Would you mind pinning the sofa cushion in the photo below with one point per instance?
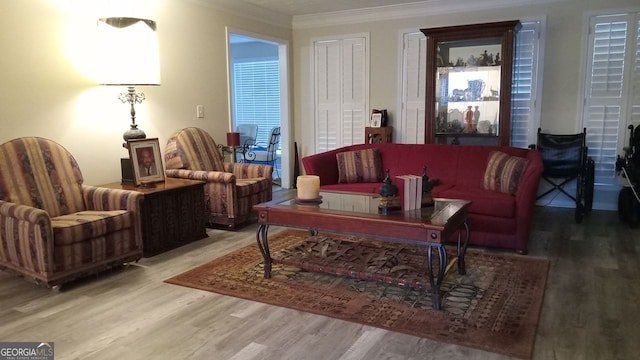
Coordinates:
(360, 166)
(503, 172)
(484, 202)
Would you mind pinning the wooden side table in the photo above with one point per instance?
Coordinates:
(377, 135)
(173, 214)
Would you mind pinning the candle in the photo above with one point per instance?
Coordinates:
(308, 187)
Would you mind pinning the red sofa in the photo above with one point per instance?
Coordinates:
(496, 219)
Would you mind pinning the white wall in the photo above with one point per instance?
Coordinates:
(47, 85)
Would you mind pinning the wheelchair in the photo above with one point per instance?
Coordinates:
(628, 166)
(565, 159)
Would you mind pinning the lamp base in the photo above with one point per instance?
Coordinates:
(127, 171)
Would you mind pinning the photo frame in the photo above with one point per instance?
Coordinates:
(146, 161)
(376, 120)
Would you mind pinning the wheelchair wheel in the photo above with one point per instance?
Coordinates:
(580, 208)
(589, 183)
(628, 207)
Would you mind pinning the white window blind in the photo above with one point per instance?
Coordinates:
(612, 91)
(525, 115)
(256, 86)
(341, 80)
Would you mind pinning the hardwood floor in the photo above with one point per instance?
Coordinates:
(591, 308)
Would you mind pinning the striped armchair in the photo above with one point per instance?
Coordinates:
(52, 227)
(231, 189)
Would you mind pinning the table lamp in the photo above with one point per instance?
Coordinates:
(233, 141)
(129, 56)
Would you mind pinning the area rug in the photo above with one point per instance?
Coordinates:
(495, 306)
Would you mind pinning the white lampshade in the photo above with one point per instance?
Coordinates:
(128, 52)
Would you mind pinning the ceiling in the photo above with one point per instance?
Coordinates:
(306, 7)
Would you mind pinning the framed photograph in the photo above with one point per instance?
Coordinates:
(146, 161)
(376, 120)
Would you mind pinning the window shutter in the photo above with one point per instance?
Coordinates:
(525, 115)
(605, 97)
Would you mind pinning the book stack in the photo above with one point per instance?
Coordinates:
(410, 191)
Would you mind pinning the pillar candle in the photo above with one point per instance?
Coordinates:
(308, 187)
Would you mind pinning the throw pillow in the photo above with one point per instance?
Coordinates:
(503, 172)
(359, 166)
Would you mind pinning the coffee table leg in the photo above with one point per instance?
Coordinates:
(263, 244)
(462, 249)
(436, 281)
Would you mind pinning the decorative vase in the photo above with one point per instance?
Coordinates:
(468, 118)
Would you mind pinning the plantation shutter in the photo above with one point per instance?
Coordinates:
(525, 114)
(612, 89)
(256, 86)
(414, 81)
(340, 78)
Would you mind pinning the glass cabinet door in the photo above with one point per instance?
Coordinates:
(469, 84)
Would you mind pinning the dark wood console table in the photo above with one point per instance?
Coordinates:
(173, 214)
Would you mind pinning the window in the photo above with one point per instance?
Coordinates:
(341, 74)
(525, 113)
(256, 87)
(612, 90)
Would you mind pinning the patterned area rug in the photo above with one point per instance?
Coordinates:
(494, 307)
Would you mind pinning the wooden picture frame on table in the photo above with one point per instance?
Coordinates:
(376, 120)
(146, 161)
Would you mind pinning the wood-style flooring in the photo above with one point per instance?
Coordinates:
(591, 308)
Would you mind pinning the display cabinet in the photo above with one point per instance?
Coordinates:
(468, 85)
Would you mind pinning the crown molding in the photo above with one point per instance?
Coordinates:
(402, 11)
(249, 11)
(372, 14)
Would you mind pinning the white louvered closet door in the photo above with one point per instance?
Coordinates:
(413, 87)
(341, 92)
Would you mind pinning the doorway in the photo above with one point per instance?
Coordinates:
(258, 93)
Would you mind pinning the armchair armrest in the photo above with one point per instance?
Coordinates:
(28, 235)
(249, 171)
(99, 198)
(206, 176)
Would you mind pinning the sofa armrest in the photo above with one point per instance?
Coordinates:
(27, 233)
(249, 171)
(526, 198)
(324, 165)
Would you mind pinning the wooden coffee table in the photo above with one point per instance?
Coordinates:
(357, 214)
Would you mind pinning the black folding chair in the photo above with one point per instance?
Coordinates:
(565, 159)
